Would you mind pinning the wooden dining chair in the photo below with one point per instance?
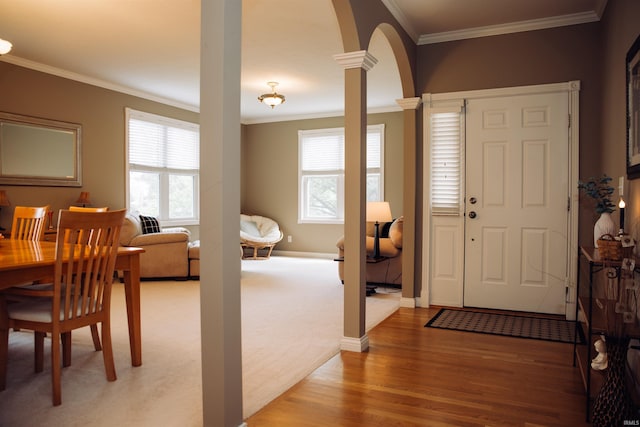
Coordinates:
(94, 328)
(85, 209)
(86, 251)
(28, 222)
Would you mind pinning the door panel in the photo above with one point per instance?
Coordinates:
(517, 169)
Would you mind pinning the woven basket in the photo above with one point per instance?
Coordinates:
(611, 249)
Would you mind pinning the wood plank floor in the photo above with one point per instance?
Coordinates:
(417, 376)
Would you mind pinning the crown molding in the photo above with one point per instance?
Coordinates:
(514, 27)
(37, 66)
(311, 116)
(397, 13)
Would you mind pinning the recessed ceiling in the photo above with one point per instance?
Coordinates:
(151, 48)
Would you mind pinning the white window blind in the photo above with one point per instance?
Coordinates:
(446, 161)
(161, 146)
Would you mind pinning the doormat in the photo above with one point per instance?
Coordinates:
(511, 325)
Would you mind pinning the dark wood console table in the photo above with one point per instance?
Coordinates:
(590, 316)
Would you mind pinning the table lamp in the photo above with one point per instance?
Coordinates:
(83, 199)
(4, 201)
(378, 212)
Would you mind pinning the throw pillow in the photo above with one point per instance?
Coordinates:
(149, 224)
(384, 229)
(395, 232)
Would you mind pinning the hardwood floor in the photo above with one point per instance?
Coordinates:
(417, 376)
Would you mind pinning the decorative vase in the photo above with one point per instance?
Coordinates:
(613, 404)
(604, 225)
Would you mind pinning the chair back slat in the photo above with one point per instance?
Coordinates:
(88, 243)
(28, 222)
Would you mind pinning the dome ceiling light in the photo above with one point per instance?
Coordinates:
(5, 47)
(272, 99)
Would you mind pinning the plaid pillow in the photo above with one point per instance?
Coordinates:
(149, 224)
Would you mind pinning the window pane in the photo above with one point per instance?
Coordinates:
(181, 196)
(144, 193)
(321, 196)
(373, 188)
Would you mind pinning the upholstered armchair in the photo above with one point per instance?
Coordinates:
(389, 270)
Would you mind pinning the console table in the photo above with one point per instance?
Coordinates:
(590, 315)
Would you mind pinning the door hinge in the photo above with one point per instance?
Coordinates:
(569, 121)
(569, 204)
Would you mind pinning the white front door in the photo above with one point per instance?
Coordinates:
(516, 223)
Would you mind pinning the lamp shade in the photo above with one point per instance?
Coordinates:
(378, 212)
(4, 199)
(84, 198)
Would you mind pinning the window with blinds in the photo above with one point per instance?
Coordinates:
(321, 172)
(163, 159)
(446, 162)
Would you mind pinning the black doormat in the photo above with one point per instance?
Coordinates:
(511, 325)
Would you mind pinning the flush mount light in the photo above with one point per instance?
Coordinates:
(272, 99)
(5, 46)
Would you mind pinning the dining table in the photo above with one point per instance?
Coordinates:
(23, 261)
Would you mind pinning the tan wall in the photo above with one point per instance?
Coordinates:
(101, 114)
(270, 177)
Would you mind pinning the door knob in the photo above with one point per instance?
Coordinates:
(472, 214)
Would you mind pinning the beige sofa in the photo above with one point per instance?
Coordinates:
(388, 271)
(165, 253)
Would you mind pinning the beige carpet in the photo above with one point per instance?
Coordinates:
(292, 323)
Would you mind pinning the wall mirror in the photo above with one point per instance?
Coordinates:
(35, 151)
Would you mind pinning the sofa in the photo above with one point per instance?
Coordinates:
(165, 252)
(389, 270)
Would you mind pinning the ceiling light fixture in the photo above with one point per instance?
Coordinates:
(5, 47)
(272, 99)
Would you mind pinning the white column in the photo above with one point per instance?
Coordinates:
(219, 212)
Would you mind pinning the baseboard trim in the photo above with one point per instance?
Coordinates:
(304, 254)
(408, 302)
(357, 345)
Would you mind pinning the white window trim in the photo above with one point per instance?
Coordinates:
(142, 115)
(381, 130)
